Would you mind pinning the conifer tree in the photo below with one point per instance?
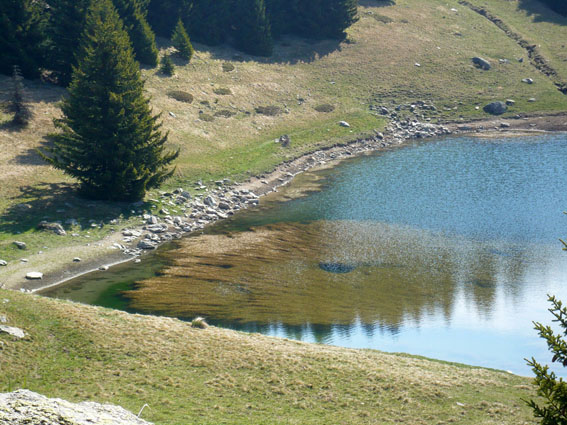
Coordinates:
(18, 106)
(164, 14)
(181, 42)
(209, 21)
(66, 25)
(109, 140)
(141, 35)
(252, 28)
(167, 67)
(552, 391)
(22, 36)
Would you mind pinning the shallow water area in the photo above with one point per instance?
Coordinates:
(445, 249)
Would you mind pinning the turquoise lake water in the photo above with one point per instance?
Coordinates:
(444, 249)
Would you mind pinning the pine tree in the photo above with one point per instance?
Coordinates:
(552, 391)
(252, 33)
(164, 14)
(167, 67)
(181, 42)
(209, 21)
(109, 140)
(22, 36)
(322, 18)
(141, 35)
(66, 25)
(18, 106)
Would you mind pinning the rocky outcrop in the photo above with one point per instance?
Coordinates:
(25, 407)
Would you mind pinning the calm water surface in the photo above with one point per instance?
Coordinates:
(445, 249)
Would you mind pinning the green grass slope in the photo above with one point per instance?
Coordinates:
(216, 376)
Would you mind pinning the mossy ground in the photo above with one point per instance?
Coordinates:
(216, 376)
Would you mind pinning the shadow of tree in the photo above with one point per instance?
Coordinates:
(541, 12)
(31, 156)
(59, 202)
(35, 91)
(376, 3)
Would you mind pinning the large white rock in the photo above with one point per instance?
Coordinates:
(34, 275)
(24, 407)
(17, 332)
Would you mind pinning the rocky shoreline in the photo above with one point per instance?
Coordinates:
(227, 198)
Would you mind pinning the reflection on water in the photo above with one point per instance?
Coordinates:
(445, 249)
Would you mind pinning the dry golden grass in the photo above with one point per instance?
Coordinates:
(189, 375)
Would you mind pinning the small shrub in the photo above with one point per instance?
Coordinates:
(326, 107)
(222, 91)
(181, 96)
(181, 42)
(224, 113)
(18, 106)
(227, 67)
(382, 18)
(167, 67)
(206, 117)
(270, 110)
(199, 323)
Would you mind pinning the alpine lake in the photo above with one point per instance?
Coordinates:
(445, 249)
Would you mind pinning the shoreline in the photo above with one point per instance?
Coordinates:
(397, 134)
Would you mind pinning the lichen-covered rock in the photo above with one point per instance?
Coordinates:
(29, 408)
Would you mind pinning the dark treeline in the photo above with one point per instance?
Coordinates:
(46, 34)
(560, 6)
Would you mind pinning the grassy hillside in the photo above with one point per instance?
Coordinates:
(216, 376)
(397, 52)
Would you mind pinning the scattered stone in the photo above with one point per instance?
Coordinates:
(21, 245)
(147, 244)
(284, 140)
(504, 125)
(26, 407)
(103, 268)
(199, 323)
(3, 263)
(344, 124)
(532, 99)
(3, 319)
(504, 61)
(171, 114)
(417, 64)
(54, 227)
(210, 201)
(24, 260)
(76, 260)
(481, 63)
(152, 220)
(34, 275)
(496, 108)
(17, 332)
(528, 80)
(510, 102)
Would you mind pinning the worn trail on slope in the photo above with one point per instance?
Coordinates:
(536, 58)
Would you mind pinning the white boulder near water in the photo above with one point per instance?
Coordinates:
(24, 407)
(34, 275)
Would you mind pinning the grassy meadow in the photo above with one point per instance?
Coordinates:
(217, 376)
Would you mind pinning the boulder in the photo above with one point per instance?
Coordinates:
(26, 407)
(210, 201)
(53, 227)
(20, 245)
(528, 80)
(344, 124)
(17, 332)
(147, 244)
(34, 275)
(285, 140)
(3, 263)
(496, 108)
(481, 63)
(510, 102)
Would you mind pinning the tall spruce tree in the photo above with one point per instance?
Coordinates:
(18, 106)
(252, 29)
(141, 35)
(322, 18)
(181, 42)
(22, 36)
(209, 21)
(66, 25)
(164, 14)
(109, 140)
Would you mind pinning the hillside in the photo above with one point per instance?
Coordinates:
(213, 376)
